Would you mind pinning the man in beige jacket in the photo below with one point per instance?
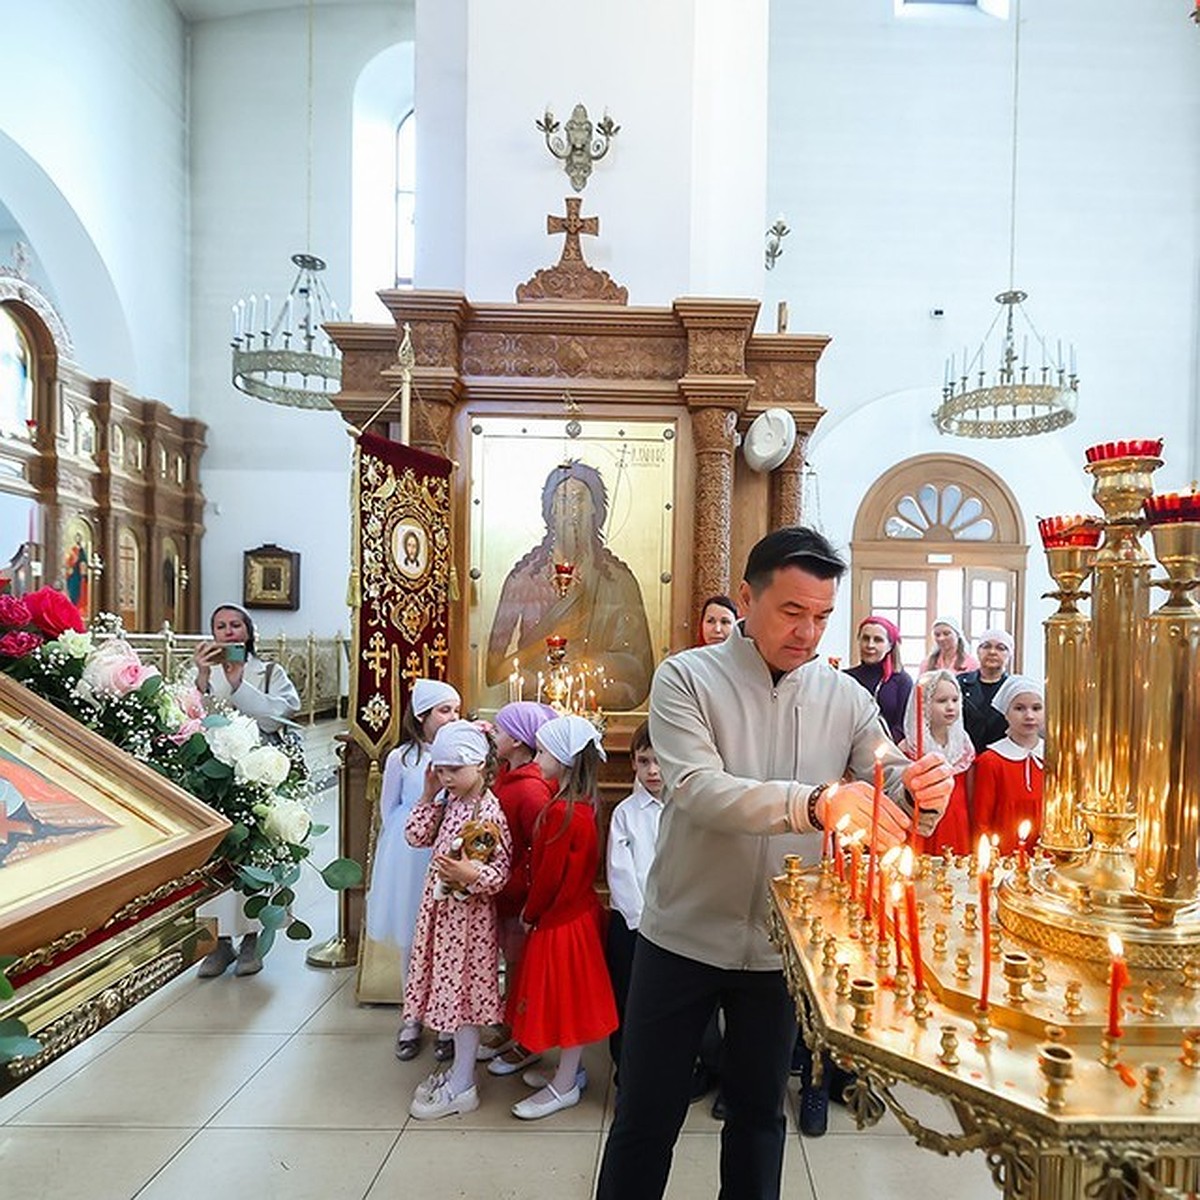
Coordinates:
(749, 734)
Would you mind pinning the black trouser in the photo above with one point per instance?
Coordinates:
(618, 951)
(671, 999)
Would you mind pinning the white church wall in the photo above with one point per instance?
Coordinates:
(890, 159)
(93, 169)
(279, 474)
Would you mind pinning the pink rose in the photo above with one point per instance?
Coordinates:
(17, 643)
(53, 612)
(14, 612)
(114, 668)
(185, 731)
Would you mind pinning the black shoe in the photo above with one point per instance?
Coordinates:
(814, 1111)
(801, 1057)
(443, 1049)
(702, 1083)
(839, 1081)
(719, 1110)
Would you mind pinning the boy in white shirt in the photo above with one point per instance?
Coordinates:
(632, 835)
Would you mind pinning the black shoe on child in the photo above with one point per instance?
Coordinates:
(443, 1049)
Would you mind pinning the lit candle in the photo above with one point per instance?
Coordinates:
(541, 681)
(985, 917)
(855, 864)
(251, 308)
(914, 929)
(1023, 831)
(266, 312)
(1118, 978)
(287, 315)
(876, 801)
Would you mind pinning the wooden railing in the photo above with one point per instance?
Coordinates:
(319, 667)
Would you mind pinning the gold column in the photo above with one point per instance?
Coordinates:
(1070, 681)
(1168, 815)
(1120, 604)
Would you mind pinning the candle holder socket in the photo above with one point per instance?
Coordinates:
(862, 997)
(1039, 977)
(962, 965)
(948, 1056)
(946, 893)
(902, 982)
(1152, 999)
(1072, 998)
(997, 942)
(841, 978)
(816, 932)
(1191, 974)
(883, 953)
(1154, 1085)
(970, 917)
(1016, 975)
(1054, 1033)
(829, 954)
(1057, 1066)
(983, 1025)
(1110, 1050)
(920, 1005)
(854, 918)
(940, 939)
(1191, 1049)
(922, 914)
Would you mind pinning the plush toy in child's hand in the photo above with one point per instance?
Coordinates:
(477, 841)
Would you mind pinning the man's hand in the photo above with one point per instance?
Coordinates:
(856, 801)
(930, 782)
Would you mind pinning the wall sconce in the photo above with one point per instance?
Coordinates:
(580, 144)
(775, 236)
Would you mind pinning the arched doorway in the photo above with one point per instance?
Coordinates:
(939, 535)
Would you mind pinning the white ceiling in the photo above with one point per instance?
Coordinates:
(213, 10)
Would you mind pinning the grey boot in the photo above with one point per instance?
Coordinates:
(218, 960)
(248, 961)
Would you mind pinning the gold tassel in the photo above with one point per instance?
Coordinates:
(374, 784)
(353, 590)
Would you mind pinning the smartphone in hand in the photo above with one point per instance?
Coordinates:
(233, 652)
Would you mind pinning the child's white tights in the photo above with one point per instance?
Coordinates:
(568, 1067)
(466, 1046)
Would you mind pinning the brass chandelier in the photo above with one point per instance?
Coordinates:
(997, 392)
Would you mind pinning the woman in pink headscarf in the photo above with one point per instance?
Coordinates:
(880, 672)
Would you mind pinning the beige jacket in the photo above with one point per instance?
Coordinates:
(731, 745)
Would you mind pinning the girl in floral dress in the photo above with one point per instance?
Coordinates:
(453, 981)
(563, 995)
(946, 734)
(397, 869)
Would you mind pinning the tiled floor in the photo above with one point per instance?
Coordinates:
(280, 1085)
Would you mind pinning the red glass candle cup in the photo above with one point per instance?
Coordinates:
(1133, 448)
(1074, 530)
(1171, 507)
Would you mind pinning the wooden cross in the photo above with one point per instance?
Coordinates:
(573, 225)
(376, 657)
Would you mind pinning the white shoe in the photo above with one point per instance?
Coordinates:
(431, 1083)
(442, 1102)
(508, 1064)
(532, 1109)
(539, 1079)
(486, 1053)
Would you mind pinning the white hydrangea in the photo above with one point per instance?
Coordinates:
(74, 644)
(286, 821)
(233, 741)
(263, 765)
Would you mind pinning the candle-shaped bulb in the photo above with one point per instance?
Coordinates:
(1115, 946)
(1024, 830)
(984, 853)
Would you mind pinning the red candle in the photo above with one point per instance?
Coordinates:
(1023, 831)
(1117, 979)
(838, 863)
(881, 928)
(920, 720)
(896, 926)
(876, 801)
(914, 929)
(855, 866)
(985, 918)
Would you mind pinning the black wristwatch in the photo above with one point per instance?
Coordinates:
(813, 797)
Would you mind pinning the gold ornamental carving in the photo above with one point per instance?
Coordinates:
(140, 903)
(44, 955)
(600, 356)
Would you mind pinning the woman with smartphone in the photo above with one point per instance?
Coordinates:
(228, 669)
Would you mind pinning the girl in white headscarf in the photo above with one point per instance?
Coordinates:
(945, 733)
(453, 979)
(398, 870)
(1010, 772)
(563, 996)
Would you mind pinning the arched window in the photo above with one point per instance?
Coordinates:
(16, 376)
(939, 535)
(406, 199)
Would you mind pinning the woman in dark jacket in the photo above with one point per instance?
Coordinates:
(879, 670)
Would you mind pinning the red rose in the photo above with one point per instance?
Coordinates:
(17, 643)
(13, 612)
(53, 612)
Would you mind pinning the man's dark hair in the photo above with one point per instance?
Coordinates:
(793, 546)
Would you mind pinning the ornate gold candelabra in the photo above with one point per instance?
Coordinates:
(1070, 1061)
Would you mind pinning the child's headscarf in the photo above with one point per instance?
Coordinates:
(522, 719)
(459, 744)
(429, 693)
(565, 737)
(959, 751)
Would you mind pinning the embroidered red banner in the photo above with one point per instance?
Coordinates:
(400, 585)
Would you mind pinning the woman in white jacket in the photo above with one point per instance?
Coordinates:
(229, 669)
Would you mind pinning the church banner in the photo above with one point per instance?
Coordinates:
(400, 583)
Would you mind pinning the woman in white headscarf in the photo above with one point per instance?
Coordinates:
(951, 652)
(398, 870)
(1010, 772)
(984, 724)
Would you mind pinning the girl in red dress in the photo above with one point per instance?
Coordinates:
(946, 734)
(523, 793)
(563, 996)
(1009, 773)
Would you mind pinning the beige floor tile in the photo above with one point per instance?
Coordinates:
(279, 999)
(341, 1013)
(49, 1077)
(328, 1081)
(83, 1164)
(282, 1164)
(155, 1080)
(483, 1165)
(865, 1167)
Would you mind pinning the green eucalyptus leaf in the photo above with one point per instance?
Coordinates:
(284, 896)
(150, 687)
(315, 830)
(214, 768)
(18, 1046)
(6, 988)
(254, 906)
(259, 875)
(342, 873)
(272, 916)
(299, 932)
(237, 834)
(266, 939)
